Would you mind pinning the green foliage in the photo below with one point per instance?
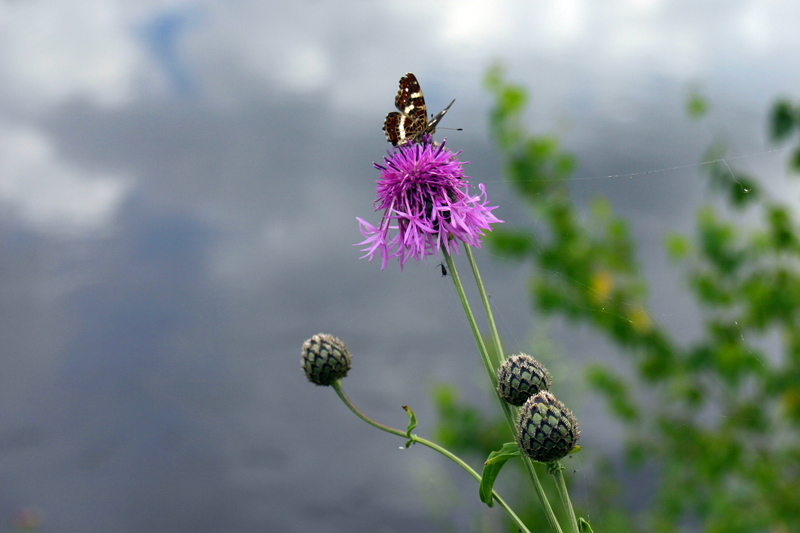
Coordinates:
(412, 423)
(784, 120)
(697, 104)
(615, 390)
(739, 187)
(583, 526)
(677, 246)
(463, 427)
(722, 422)
(491, 468)
(795, 160)
(516, 244)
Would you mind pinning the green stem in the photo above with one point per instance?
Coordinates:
(498, 347)
(559, 476)
(337, 386)
(473, 325)
(509, 412)
(557, 469)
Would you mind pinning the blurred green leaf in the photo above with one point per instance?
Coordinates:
(696, 105)
(465, 428)
(782, 120)
(740, 188)
(514, 243)
(614, 389)
(743, 190)
(782, 233)
(677, 246)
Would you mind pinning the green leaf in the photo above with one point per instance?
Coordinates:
(583, 526)
(696, 105)
(510, 243)
(412, 423)
(780, 226)
(615, 389)
(781, 121)
(740, 188)
(513, 99)
(795, 160)
(493, 80)
(677, 246)
(743, 191)
(492, 467)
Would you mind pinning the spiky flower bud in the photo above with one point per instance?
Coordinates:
(520, 377)
(546, 430)
(325, 359)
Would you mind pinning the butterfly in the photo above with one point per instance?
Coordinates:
(411, 123)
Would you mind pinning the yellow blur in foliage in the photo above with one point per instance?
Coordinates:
(640, 319)
(601, 287)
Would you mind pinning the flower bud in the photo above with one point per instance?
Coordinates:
(325, 359)
(520, 377)
(546, 430)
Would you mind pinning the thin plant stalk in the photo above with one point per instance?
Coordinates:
(510, 415)
(557, 469)
(337, 386)
(498, 347)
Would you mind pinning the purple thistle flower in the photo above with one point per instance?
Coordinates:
(427, 206)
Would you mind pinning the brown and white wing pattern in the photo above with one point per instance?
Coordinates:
(411, 122)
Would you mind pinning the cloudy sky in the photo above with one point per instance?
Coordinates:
(179, 182)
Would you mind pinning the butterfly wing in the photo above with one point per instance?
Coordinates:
(392, 127)
(412, 119)
(431, 127)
